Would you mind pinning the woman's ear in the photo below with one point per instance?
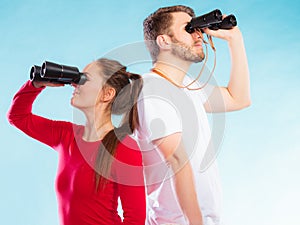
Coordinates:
(107, 94)
(163, 41)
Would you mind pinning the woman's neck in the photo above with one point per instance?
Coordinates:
(97, 127)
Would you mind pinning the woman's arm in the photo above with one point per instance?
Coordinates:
(20, 115)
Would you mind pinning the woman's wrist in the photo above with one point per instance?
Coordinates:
(37, 84)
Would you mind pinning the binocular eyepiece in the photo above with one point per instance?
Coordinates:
(56, 73)
(212, 20)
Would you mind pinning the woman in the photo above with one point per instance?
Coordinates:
(98, 163)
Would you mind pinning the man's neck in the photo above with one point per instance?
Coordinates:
(175, 71)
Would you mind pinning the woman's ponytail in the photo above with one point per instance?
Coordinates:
(136, 86)
(128, 87)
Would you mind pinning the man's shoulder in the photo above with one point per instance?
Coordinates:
(151, 76)
(157, 85)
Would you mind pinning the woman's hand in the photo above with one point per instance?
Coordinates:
(39, 84)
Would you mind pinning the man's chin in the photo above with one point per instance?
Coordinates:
(198, 59)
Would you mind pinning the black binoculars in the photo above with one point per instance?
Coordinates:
(212, 20)
(56, 73)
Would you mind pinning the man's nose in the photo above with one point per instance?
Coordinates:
(197, 35)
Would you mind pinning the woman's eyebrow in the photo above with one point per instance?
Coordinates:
(87, 74)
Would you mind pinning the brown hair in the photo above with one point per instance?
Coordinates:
(159, 23)
(127, 86)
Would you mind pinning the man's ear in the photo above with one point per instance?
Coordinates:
(107, 94)
(163, 41)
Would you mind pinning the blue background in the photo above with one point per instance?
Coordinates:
(259, 160)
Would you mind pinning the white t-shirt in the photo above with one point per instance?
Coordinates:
(164, 110)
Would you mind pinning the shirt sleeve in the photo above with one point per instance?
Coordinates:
(128, 170)
(160, 117)
(47, 131)
(160, 108)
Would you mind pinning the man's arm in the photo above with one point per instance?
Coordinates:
(236, 95)
(174, 153)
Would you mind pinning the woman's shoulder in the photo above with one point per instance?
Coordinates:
(128, 151)
(67, 127)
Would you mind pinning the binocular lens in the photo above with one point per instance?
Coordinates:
(228, 22)
(212, 20)
(53, 70)
(35, 75)
(56, 73)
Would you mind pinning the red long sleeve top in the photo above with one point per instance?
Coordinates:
(78, 201)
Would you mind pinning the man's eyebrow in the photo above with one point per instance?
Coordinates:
(184, 24)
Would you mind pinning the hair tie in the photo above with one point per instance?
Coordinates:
(124, 71)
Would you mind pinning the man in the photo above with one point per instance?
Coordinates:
(174, 132)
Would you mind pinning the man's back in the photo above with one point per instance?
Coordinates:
(164, 110)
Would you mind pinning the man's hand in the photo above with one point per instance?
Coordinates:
(228, 35)
(236, 95)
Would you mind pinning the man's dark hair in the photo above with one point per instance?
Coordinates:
(159, 23)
